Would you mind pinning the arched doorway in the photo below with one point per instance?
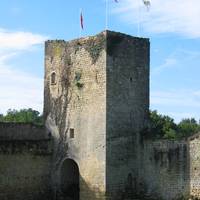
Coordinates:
(70, 180)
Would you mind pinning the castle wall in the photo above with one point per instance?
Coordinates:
(100, 91)
(194, 165)
(165, 169)
(76, 103)
(22, 131)
(127, 104)
(25, 162)
(96, 105)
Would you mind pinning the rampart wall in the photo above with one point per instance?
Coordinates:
(170, 169)
(25, 162)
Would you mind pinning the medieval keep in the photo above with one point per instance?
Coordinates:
(96, 105)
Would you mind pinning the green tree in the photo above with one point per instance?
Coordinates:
(23, 116)
(162, 126)
(188, 127)
(1, 117)
(170, 134)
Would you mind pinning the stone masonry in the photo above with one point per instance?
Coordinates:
(93, 146)
(98, 88)
(25, 162)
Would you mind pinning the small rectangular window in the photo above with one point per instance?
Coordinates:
(71, 133)
(53, 78)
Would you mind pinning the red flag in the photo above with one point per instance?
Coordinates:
(81, 19)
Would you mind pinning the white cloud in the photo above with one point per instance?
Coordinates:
(169, 62)
(197, 93)
(18, 88)
(178, 58)
(178, 104)
(178, 116)
(179, 70)
(176, 98)
(19, 40)
(174, 16)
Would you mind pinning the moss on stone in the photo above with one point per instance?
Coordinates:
(78, 76)
(77, 80)
(79, 85)
(57, 49)
(95, 45)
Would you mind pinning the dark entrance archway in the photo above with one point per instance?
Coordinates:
(70, 180)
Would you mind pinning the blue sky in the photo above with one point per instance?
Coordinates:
(172, 26)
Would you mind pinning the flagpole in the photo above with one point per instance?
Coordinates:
(147, 3)
(138, 27)
(80, 29)
(106, 14)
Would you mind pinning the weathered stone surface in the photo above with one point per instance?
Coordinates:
(78, 101)
(96, 104)
(127, 106)
(102, 93)
(25, 162)
(194, 165)
(23, 131)
(164, 172)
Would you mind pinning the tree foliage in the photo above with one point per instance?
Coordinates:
(188, 127)
(163, 126)
(22, 116)
(160, 126)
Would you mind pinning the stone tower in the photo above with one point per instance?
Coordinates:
(96, 103)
